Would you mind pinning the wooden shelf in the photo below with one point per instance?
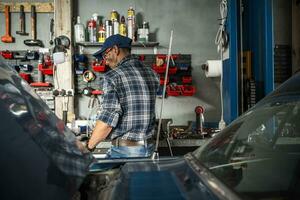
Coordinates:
(134, 44)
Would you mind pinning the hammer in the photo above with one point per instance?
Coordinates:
(7, 37)
(33, 41)
(22, 22)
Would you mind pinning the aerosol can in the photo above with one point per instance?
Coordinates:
(92, 30)
(108, 28)
(114, 17)
(101, 34)
(79, 31)
(123, 30)
(131, 23)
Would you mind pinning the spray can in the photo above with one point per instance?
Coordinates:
(131, 23)
(108, 28)
(79, 31)
(114, 17)
(123, 30)
(92, 30)
(101, 33)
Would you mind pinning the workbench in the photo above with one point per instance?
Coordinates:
(179, 146)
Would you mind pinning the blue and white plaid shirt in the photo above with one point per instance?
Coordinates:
(128, 102)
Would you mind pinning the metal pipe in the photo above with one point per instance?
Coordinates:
(155, 153)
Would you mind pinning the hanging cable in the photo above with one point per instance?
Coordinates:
(222, 37)
(222, 42)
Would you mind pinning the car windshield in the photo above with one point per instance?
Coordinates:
(258, 154)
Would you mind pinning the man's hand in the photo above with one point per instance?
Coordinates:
(88, 148)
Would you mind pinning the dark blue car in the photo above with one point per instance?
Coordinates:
(255, 157)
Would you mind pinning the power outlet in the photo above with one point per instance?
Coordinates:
(63, 93)
(70, 92)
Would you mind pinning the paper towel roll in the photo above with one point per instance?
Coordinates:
(212, 68)
(58, 57)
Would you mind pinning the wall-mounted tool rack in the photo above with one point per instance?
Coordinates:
(40, 7)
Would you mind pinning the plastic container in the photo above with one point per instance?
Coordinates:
(173, 90)
(186, 79)
(172, 70)
(188, 90)
(99, 66)
(159, 69)
(162, 80)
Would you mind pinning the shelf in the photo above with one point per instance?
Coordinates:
(134, 44)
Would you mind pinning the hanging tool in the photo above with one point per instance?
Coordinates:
(22, 22)
(33, 41)
(51, 31)
(7, 38)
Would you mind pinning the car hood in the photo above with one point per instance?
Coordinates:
(166, 178)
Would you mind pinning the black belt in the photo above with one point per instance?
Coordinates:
(123, 142)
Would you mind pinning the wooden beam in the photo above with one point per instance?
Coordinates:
(40, 7)
(64, 78)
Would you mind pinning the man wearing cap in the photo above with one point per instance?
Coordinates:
(127, 116)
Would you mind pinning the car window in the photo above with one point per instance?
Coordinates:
(258, 155)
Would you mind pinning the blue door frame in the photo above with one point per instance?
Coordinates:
(258, 38)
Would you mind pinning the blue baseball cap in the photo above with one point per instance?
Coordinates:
(118, 40)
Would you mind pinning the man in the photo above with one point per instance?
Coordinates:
(127, 116)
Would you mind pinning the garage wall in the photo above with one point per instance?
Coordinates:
(282, 22)
(43, 28)
(296, 34)
(286, 27)
(195, 25)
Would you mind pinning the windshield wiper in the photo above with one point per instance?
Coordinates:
(239, 163)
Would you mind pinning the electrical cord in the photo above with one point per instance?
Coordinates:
(222, 37)
(222, 42)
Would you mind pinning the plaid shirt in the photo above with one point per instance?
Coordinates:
(128, 102)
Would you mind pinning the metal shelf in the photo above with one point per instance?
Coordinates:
(134, 44)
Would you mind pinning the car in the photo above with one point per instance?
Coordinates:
(255, 157)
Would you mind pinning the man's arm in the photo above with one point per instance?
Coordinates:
(99, 133)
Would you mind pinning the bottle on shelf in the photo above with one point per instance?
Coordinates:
(79, 31)
(143, 33)
(101, 34)
(114, 17)
(131, 23)
(108, 28)
(92, 29)
(123, 30)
